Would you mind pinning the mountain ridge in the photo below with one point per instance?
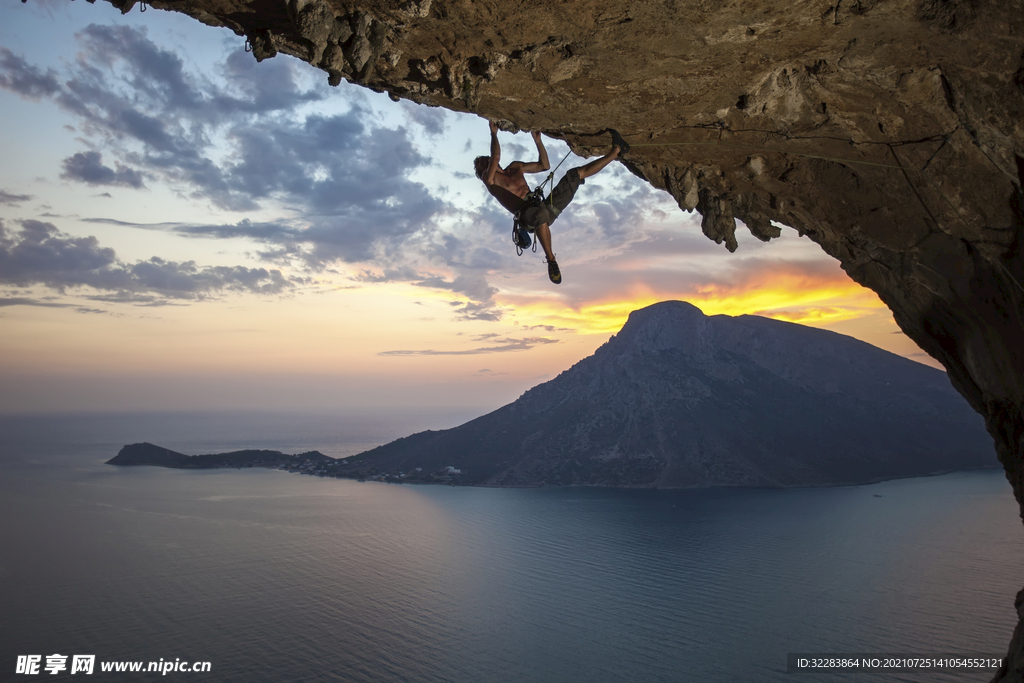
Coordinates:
(680, 399)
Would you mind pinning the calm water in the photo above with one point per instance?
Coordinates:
(279, 577)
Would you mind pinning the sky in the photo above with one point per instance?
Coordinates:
(183, 228)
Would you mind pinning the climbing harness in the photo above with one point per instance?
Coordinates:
(521, 234)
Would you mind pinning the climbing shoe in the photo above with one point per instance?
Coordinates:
(617, 141)
(554, 273)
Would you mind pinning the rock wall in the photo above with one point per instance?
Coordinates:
(888, 131)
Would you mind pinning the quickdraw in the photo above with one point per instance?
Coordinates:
(550, 180)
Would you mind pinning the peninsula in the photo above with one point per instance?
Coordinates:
(149, 454)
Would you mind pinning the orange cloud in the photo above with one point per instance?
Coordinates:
(793, 292)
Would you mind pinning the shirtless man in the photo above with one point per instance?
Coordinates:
(509, 187)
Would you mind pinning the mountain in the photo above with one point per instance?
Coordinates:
(680, 399)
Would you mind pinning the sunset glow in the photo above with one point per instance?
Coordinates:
(335, 248)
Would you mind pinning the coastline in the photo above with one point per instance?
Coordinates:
(314, 463)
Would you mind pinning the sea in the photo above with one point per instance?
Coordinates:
(272, 576)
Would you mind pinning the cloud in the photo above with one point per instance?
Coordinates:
(87, 167)
(186, 280)
(310, 244)
(547, 328)
(501, 346)
(128, 90)
(476, 254)
(432, 119)
(265, 231)
(10, 199)
(473, 285)
(511, 151)
(788, 278)
(28, 81)
(134, 298)
(400, 274)
(159, 78)
(24, 301)
(238, 138)
(39, 254)
(619, 214)
(316, 243)
(807, 315)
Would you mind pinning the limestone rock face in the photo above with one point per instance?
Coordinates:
(888, 131)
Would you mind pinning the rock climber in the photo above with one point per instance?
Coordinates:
(509, 187)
